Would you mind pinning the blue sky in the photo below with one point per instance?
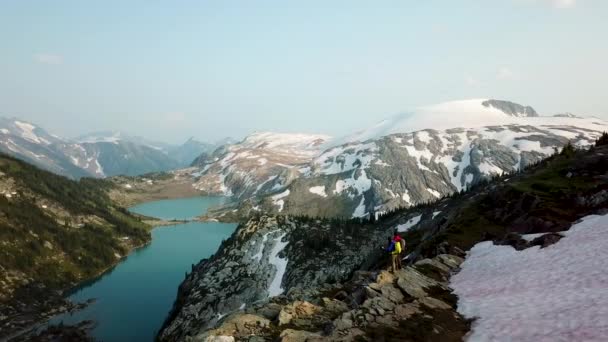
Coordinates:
(169, 70)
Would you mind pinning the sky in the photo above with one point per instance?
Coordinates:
(170, 70)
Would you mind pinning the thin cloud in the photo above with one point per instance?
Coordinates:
(472, 81)
(506, 74)
(563, 3)
(48, 58)
(175, 118)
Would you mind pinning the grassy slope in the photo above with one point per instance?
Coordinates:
(545, 198)
(76, 237)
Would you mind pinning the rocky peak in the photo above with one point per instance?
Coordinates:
(511, 108)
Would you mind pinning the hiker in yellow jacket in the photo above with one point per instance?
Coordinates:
(394, 248)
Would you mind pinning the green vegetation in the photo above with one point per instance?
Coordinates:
(57, 231)
(546, 197)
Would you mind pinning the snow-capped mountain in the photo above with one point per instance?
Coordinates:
(261, 163)
(34, 145)
(94, 155)
(426, 154)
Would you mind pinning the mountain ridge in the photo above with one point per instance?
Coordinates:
(390, 165)
(98, 154)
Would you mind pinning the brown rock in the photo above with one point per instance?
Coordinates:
(297, 310)
(434, 303)
(414, 283)
(450, 260)
(405, 311)
(391, 293)
(291, 335)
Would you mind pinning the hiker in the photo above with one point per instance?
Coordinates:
(399, 241)
(394, 249)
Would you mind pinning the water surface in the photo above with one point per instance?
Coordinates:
(135, 297)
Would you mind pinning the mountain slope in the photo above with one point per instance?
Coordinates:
(54, 233)
(101, 154)
(400, 169)
(259, 164)
(34, 145)
(275, 275)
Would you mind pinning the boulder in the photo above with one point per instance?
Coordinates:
(270, 311)
(414, 283)
(450, 260)
(405, 311)
(297, 310)
(433, 263)
(434, 303)
(334, 307)
(239, 325)
(291, 335)
(391, 293)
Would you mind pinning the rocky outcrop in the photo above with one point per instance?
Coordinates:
(268, 257)
(406, 305)
(510, 108)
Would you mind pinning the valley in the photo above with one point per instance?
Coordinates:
(284, 231)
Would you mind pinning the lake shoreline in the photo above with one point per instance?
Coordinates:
(195, 242)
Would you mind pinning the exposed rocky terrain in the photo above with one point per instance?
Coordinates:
(413, 304)
(260, 164)
(280, 277)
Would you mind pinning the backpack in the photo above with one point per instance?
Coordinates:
(391, 247)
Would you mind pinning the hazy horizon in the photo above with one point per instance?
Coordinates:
(170, 71)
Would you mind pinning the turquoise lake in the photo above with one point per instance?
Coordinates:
(133, 300)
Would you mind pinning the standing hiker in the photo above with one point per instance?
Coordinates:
(394, 249)
(401, 242)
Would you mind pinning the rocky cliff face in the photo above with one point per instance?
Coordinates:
(266, 257)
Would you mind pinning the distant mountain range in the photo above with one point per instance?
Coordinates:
(99, 154)
(410, 158)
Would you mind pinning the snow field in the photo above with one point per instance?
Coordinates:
(559, 293)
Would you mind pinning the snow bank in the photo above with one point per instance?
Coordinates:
(360, 209)
(27, 132)
(275, 288)
(318, 190)
(409, 224)
(559, 293)
(278, 199)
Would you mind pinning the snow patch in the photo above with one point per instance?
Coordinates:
(278, 199)
(280, 264)
(359, 185)
(551, 294)
(402, 228)
(434, 192)
(27, 131)
(360, 210)
(318, 190)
